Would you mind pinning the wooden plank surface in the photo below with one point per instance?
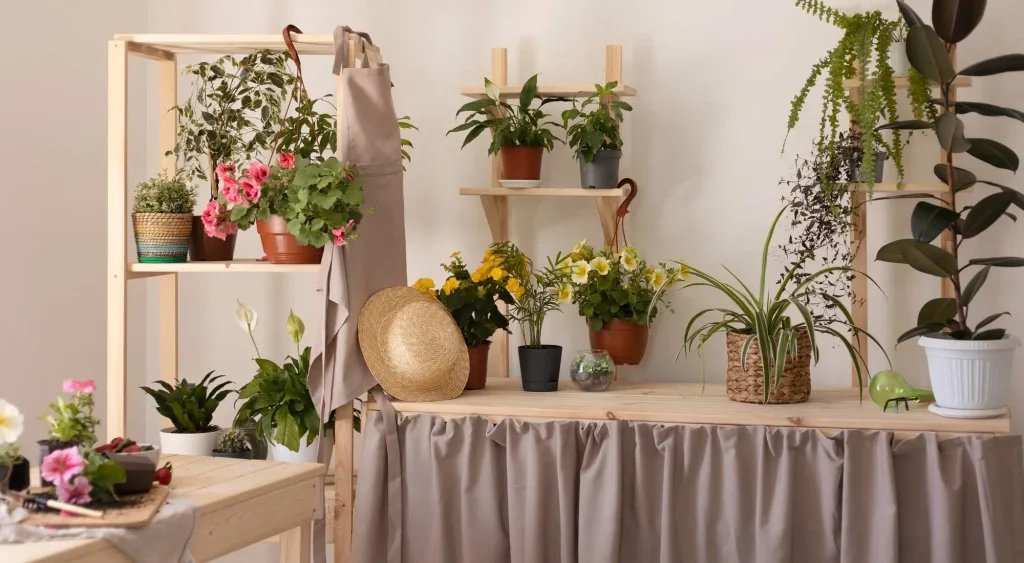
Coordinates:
(233, 266)
(684, 403)
(546, 91)
(306, 44)
(545, 192)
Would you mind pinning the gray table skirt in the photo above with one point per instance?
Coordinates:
(468, 490)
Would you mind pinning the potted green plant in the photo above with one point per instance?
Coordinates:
(970, 366)
(71, 423)
(14, 467)
(519, 134)
(593, 136)
(230, 116)
(592, 370)
(536, 293)
(162, 219)
(769, 353)
(190, 408)
(233, 444)
(471, 298)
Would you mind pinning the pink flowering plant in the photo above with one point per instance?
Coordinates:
(72, 422)
(81, 476)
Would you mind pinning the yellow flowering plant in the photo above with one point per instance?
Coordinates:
(472, 297)
(536, 292)
(607, 285)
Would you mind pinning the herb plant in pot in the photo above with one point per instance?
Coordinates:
(519, 133)
(233, 444)
(970, 366)
(594, 136)
(71, 423)
(536, 293)
(190, 408)
(162, 219)
(14, 467)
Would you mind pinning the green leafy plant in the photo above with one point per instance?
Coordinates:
(324, 201)
(928, 51)
(597, 128)
(862, 53)
(164, 194)
(232, 441)
(537, 292)
(190, 406)
(765, 318)
(73, 422)
(405, 122)
(518, 126)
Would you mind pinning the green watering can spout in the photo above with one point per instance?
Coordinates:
(887, 386)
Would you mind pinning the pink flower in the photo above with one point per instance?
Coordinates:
(339, 236)
(214, 231)
(286, 160)
(229, 188)
(225, 170)
(76, 386)
(62, 465)
(350, 224)
(75, 492)
(251, 189)
(258, 172)
(211, 215)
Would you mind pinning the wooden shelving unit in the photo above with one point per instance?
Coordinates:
(495, 198)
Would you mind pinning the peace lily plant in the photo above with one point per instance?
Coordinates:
(14, 468)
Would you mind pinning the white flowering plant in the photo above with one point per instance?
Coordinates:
(12, 423)
(608, 284)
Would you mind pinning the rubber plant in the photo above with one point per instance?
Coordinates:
(928, 49)
(863, 54)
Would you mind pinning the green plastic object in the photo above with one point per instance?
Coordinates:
(889, 385)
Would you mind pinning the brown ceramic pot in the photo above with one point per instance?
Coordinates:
(625, 341)
(203, 248)
(281, 247)
(478, 366)
(521, 163)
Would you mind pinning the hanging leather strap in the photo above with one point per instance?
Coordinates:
(620, 215)
(287, 34)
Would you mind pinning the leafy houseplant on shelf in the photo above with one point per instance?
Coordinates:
(14, 467)
(71, 423)
(519, 133)
(162, 219)
(769, 353)
(594, 136)
(471, 299)
(190, 408)
(536, 293)
(970, 366)
(233, 444)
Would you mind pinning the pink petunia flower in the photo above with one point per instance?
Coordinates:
(62, 465)
(251, 189)
(232, 194)
(211, 215)
(77, 386)
(225, 170)
(258, 172)
(286, 160)
(76, 492)
(339, 236)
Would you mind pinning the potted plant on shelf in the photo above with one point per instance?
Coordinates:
(471, 298)
(593, 136)
(72, 423)
(190, 408)
(769, 353)
(162, 219)
(535, 293)
(231, 116)
(619, 295)
(233, 444)
(14, 467)
(970, 367)
(520, 134)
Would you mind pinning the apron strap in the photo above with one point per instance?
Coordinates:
(394, 475)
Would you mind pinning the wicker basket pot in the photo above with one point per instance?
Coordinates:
(748, 386)
(162, 237)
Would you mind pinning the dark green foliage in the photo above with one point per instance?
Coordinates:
(190, 406)
(511, 126)
(597, 128)
(278, 400)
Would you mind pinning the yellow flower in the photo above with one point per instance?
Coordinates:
(426, 285)
(627, 260)
(488, 253)
(600, 265)
(480, 273)
(684, 272)
(514, 287)
(631, 250)
(450, 285)
(579, 246)
(564, 293)
(497, 274)
(564, 265)
(657, 278)
(455, 254)
(580, 269)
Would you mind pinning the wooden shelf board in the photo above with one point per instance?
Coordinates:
(548, 90)
(306, 44)
(904, 82)
(906, 187)
(234, 266)
(547, 192)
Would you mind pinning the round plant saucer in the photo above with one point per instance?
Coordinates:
(966, 413)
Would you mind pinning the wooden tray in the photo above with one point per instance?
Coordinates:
(137, 514)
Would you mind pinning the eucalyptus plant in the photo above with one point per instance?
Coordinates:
(928, 50)
(520, 125)
(596, 128)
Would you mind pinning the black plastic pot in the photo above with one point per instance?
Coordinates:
(602, 172)
(46, 447)
(234, 455)
(862, 175)
(19, 475)
(539, 367)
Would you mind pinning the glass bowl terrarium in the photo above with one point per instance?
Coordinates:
(592, 370)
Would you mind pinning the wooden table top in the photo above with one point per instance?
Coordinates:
(220, 487)
(685, 403)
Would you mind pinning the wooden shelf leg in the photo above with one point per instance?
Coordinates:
(295, 544)
(859, 285)
(169, 328)
(343, 497)
(117, 236)
(606, 208)
(496, 211)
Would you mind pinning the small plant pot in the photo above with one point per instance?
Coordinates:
(259, 447)
(539, 367)
(626, 341)
(478, 366)
(183, 443)
(140, 472)
(898, 59)
(46, 447)
(234, 455)
(281, 247)
(602, 172)
(306, 454)
(152, 455)
(204, 248)
(162, 237)
(16, 477)
(521, 163)
(592, 370)
(861, 176)
(748, 386)
(970, 378)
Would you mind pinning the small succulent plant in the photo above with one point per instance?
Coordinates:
(232, 441)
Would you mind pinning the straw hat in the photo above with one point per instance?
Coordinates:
(412, 345)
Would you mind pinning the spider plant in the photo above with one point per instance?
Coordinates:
(765, 319)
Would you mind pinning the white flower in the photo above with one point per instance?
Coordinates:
(657, 277)
(628, 261)
(247, 317)
(580, 269)
(579, 246)
(12, 422)
(564, 293)
(564, 265)
(600, 265)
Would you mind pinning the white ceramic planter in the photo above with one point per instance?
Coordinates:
(306, 454)
(898, 59)
(152, 455)
(202, 443)
(970, 378)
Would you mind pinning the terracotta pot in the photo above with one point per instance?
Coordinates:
(204, 248)
(521, 163)
(478, 366)
(748, 386)
(626, 341)
(281, 247)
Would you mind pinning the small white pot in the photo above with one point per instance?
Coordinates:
(201, 443)
(306, 454)
(152, 455)
(970, 375)
(898, 59)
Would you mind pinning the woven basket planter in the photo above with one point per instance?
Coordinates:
(748, 386)
(162, 237)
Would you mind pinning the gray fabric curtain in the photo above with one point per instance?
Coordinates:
(604, 492)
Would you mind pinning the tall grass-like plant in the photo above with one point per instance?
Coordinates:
(539, 292)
